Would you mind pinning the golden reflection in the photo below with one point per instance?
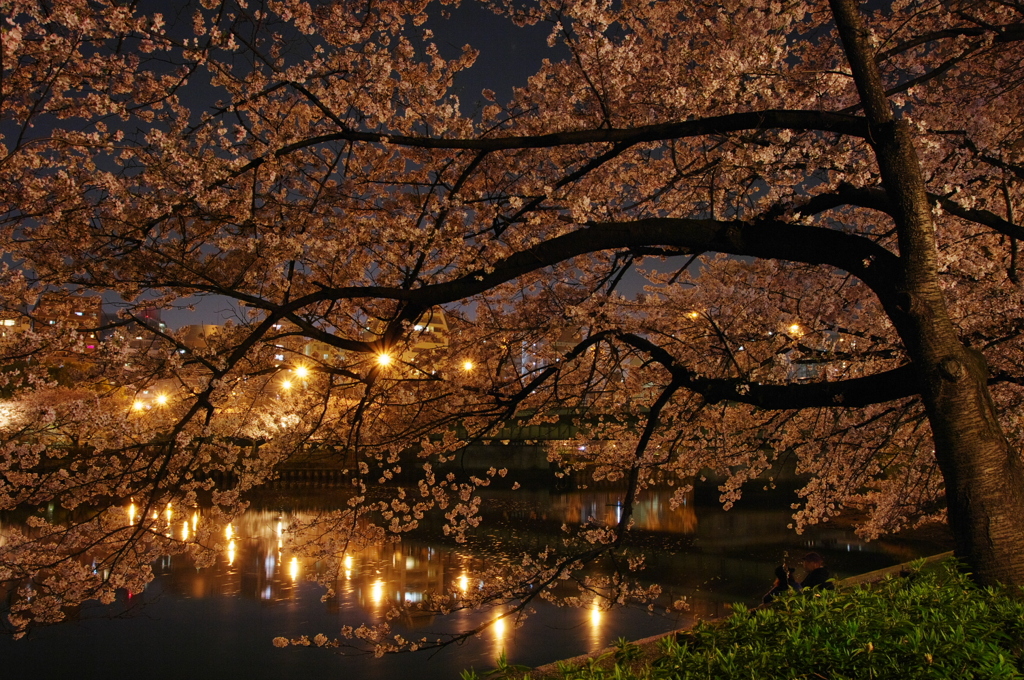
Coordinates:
(131, 513)
(293, 569)
(195, 520)
(231, 553)
(377, 592)
(499, 632)
(229, 532)
(184, 530)
(169, 513)
(499, 638)
(652, 513)
(596, 616)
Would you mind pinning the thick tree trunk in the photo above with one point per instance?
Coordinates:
(983, 474)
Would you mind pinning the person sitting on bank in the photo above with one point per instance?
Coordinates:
(817, 575)
(784, 581)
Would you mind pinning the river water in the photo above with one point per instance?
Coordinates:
(218, 622)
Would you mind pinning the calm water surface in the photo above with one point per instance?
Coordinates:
(219, 622)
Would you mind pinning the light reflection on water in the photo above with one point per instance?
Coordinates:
(259, 588)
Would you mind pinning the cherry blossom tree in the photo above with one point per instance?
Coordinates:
(821, 198)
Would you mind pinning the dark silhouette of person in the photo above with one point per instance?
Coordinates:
(817, 575)
(784, 581)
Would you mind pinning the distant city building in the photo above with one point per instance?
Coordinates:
(321, 351)
(197, 337)
(430, 331)
(84, 313)
(13, 324)
(139, 332)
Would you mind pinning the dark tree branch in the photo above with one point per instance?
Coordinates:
(1001, 34)
(898, 383)
(876, 199)
(801, 120)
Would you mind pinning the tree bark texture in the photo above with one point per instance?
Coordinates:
(983, 473)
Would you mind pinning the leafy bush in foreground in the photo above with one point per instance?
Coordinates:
(935, 624)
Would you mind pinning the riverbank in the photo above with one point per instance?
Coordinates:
(946, 605)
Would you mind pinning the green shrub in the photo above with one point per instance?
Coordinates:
(928, 625)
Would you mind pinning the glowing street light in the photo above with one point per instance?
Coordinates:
(795, 329)
(138, 405)
(467, 365)
(286, 384)
(300, 372)
(384, 359)
(161, 399)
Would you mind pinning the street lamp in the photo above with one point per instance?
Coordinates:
(300, 371)
(467, 365)
(384, 359)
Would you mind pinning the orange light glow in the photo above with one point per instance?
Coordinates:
(377, 591)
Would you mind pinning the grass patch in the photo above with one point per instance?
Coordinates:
(931, 624)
